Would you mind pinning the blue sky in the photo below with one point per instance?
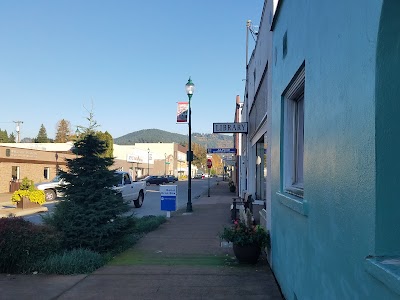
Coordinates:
(126, 61)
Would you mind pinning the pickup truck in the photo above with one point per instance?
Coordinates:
(131, 190)
(50, 188)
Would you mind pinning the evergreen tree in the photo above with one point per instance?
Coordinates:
(42, 135)
(3, 136)
(91, 215)
(11, 138)
(63, 133)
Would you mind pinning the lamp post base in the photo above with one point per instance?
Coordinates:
(189, 207)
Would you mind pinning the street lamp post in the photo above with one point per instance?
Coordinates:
(189, 91)
(148, 161)
(165, 164)
(223, 167)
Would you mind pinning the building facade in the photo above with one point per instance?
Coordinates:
(256, 111)
(38, 165)
(334, 133)
(39, 161)
(151, 159)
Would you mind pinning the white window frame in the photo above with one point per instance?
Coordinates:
(46, 170)
(293, 136)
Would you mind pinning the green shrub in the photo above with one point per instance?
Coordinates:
(75, 261)
(22, 243)
(126, 243)
(148, 223)
(27, 185)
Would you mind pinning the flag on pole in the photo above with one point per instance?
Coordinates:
(182, 112)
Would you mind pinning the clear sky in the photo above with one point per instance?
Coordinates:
(126, 61)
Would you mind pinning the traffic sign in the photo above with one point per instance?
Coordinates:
(209, 163)
(221, 150)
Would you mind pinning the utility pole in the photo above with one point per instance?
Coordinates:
(17, 129)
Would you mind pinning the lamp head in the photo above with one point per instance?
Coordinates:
(189, 87)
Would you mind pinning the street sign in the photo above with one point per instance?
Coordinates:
(221, 150)
(209, 163)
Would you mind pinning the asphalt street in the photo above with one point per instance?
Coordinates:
(152, 202)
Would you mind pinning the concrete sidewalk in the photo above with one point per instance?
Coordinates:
(183, 259)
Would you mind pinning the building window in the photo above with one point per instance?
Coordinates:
(15, 173)
(284, 45)
(293, 135)
(46, 173)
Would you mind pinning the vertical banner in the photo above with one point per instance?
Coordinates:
(182, 112)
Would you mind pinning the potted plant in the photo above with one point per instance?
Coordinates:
(28, 196)
(247, 238)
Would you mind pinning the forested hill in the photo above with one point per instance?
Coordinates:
(207, 140)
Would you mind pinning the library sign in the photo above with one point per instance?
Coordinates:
(230, 127)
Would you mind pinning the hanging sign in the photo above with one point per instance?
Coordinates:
(182, 112)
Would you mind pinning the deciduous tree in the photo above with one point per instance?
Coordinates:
(63, 133)
(199, 155)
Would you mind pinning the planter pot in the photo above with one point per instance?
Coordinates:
(248, 254)
(25, 203)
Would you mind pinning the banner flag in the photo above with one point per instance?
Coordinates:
(182, 112)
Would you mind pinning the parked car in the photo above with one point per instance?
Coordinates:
(198, 176)
(155, 180)
(172, 178)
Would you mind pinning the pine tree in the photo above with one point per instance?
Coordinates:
(42, 135)
(11, 138)
(3, 136)
(92, 214)
(63, 134)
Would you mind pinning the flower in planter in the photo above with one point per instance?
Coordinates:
(244, 232)
(27, 189)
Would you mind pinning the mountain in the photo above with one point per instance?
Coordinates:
(207, 140)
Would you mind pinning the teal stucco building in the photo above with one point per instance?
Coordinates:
(333, 200)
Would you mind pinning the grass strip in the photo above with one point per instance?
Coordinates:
(132, 257)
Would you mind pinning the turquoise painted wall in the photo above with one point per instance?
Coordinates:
(388, 131)
(319, 244)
